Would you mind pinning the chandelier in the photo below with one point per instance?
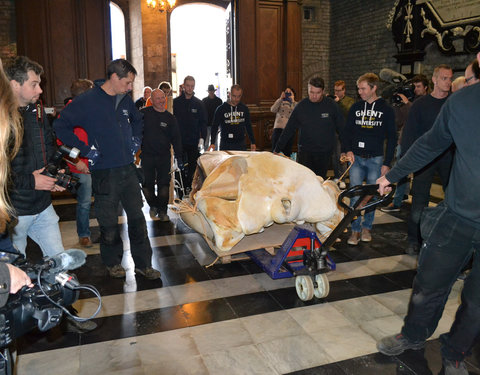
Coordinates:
(161, 5)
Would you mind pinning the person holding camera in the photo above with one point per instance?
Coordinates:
(283, 107)
(12, 279)
(31, 192)
(402, 108)
(30, 195)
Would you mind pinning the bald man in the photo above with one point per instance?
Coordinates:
(160, 131)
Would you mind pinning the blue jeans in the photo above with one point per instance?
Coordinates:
(84, 199)
(368, 169)
(42, 228)
(449, 243)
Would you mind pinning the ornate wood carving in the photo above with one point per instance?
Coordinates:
(453, 25)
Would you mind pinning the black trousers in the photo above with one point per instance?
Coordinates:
(317, 161)
(157, 174)
(449, 243)
(276, 136)
(190, 156)
(111, 187)
(422, 182)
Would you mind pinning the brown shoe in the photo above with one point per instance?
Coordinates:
(354, 238)
(366, 235)
(85, 242)
(116, 271)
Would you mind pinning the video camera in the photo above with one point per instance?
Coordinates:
(66, 179)
(42, 306)
(399, 84)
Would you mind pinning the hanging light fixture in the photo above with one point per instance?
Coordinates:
(161, 5)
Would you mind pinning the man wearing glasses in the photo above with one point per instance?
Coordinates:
(472, 73)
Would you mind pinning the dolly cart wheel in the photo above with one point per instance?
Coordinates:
(316, 282)
(322, 286)
(304, 287)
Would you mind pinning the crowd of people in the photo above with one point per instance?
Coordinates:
(432, 132)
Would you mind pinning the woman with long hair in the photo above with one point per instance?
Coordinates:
(11, 133)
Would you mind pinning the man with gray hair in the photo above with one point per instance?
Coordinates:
(316, 118)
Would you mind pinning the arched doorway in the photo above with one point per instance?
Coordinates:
(199, 47)
(117, 30)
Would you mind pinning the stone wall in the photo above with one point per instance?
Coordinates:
(316, 42)
(8, 38)
(136, 46)
(155, 46)
(360, 41)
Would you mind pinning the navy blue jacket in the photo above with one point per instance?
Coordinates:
(367, 127)
(109, 126)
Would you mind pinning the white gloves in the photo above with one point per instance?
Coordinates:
(200, 145)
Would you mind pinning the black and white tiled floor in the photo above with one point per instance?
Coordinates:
(232, 318)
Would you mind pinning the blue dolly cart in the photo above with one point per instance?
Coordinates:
(304, 257)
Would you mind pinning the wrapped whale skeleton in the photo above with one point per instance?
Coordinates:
(244, 201)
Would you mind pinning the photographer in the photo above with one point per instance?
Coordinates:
(283, 107)
(402, 108)
(31, 192)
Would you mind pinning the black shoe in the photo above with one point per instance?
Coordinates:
(153, 211)
(163, 217)
(390, 208)
(397, 344)
(454, 367)
(75, 326)
(412, 249)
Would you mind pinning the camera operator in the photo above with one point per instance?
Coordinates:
(420, 84)
(31, 193)
(12, 279)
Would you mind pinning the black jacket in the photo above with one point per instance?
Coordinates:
(192, 119)
(160, 130)
(36, 150)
